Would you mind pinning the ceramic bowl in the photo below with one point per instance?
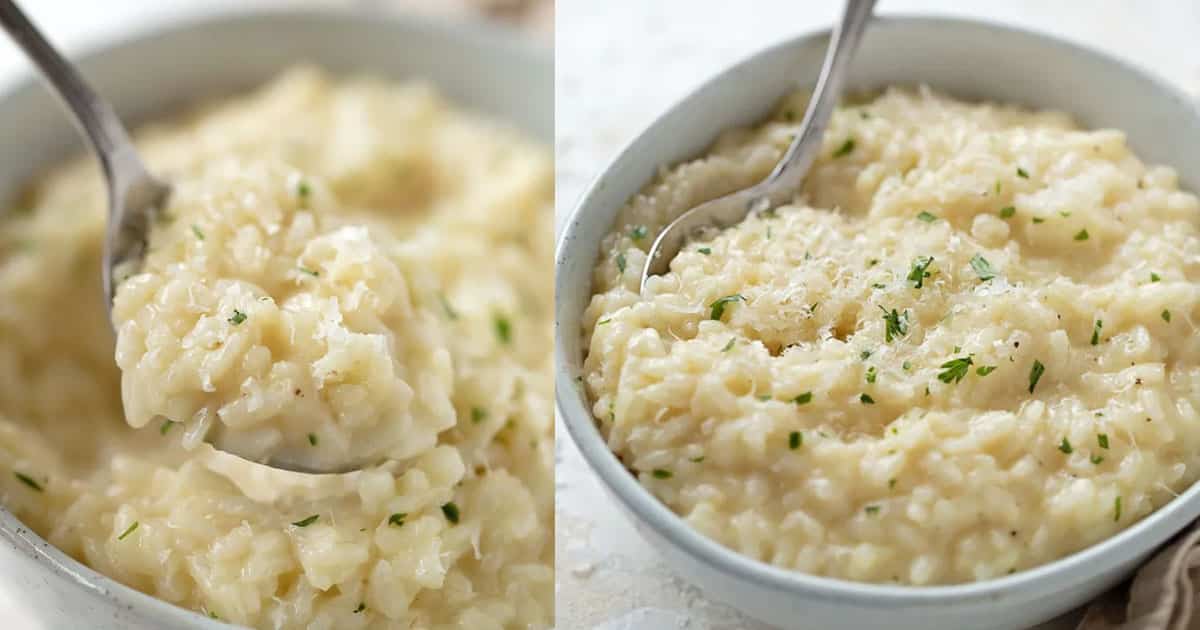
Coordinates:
(155, 73)
(968, 59)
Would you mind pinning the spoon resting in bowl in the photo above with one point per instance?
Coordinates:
(785, 178)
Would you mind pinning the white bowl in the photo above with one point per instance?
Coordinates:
(476, 66)
(968, 59)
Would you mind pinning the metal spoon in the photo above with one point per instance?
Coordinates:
(134, 195)
(785, 179)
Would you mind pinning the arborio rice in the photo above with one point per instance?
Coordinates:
(965, 349)
(345, 268)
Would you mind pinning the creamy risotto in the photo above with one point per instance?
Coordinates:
(965, 349)
(346, 270)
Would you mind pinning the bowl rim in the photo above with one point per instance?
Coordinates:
(15, 533)
(645, 509)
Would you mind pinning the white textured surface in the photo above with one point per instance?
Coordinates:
(619, 64)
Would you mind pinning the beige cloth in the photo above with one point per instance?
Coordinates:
(1162, 596)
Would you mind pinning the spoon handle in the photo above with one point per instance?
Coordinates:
(91, 113)
(790, 171)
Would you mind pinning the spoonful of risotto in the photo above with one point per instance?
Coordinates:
(247, 317)
(134, 195)
(787, 175)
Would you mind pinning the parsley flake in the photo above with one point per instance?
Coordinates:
(803, 399)
(361, 607)
(661, 473)
(982, 268)
(238, 317)
(1065, 446)
(129, 530)
(1007, 212)
(705, 250)
(896, 324)
(198, 232)
(1102, 439)
(1081, 235)
(27, 480)
(621, 262)
(954, 370)
(312, 439)
(1096, 459)
(478, 414)
(397, 519)
(871, 374)
(638, 232)
(927, 217)
(871, 509)
(450, 511)
(729, 346)
(1035, 374)
(503, 329)
(312, 272)
(166, 426)
(984, 370)
(1022, 173)
(1166, 315)
(1096, 332)
(845, 149)
(920, 271)
(1154, 277)
(795, 439)
(866, 399)
(1117, 509)
(305, 522)
(718, 307)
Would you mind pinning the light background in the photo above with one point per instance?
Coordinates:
(622, 62)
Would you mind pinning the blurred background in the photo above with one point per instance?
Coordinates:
(619, 64)
(76, 25)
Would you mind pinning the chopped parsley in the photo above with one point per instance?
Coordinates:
(1035, 374)
(166, 426)
(896, 324)
(129, 530)
(503, 329)
(954, 370)
(906, 366)
(1102, 439)
(27, 480)
(872, 509)
(1081, 235)
(871, 374)
(361, 607)
(450, 312)
(238, 317)
(1117, 509)
(795, 439)
(920, 271)
(637, 232)
(866, 354)
(397, 519)
(729, 346)
(312, 439)
(697, 459)
(303, 189)
(866, 400)
(621, 262)
(845, 149)
(718, 307)
(197, 231)
(1096, 459)
(478, 414)
(1166, 315)
(1065, 446)
(1096, 332)
(803, 399)
(1154, 277)
(927, 217)
(606, 320)
(1022, 173)
(982, 268)
(705, 250)
(661, 473)
(984, 370)
(450, 511)
(891, 483)
(305, 522)
(1038, 220)
(312, 272)
(1007, 212)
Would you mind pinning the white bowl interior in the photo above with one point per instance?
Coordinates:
(476, 66)
(968, 59)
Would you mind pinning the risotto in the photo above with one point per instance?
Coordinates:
(966, 347)
(347, 270)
